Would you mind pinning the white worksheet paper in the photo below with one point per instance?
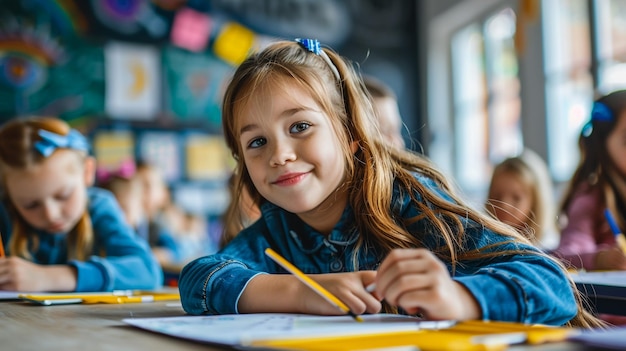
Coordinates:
(242, 329)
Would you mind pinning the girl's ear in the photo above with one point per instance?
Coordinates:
(354, 146)
(90, 171)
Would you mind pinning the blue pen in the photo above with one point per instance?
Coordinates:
(619, 237)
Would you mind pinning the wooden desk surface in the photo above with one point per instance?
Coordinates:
(100, 328)
(86, 327)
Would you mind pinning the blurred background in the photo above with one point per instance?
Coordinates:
(476, 80)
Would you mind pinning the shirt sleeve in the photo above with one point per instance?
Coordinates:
(214, 284)
(529, 288)
(516, 283)
(125, 262)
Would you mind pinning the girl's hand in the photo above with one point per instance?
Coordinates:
(347, 287)
(610, 259)
(17, 274)
(417, 281)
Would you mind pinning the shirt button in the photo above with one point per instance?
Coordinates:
(336, 266)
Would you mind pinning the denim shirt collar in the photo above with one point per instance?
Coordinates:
(305, 237)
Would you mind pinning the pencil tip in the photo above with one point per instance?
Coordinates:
(355, 316)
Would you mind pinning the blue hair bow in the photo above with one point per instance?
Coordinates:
(51, 141)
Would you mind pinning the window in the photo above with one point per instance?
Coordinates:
(569, 84)
(486, 99)
(574, 50)
(610, 36)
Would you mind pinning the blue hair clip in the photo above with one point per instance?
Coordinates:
(587, 129)
(313, 45)
(51, 141)
(601, 112)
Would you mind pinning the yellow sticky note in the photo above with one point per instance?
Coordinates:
(206, 157)
(233, 43)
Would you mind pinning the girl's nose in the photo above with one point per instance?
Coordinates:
(281, 154)
(50, 212)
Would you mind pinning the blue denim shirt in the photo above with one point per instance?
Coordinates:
(522, 288)
(128, 262)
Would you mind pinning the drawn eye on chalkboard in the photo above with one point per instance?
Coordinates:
(25, 55)
(21, 72)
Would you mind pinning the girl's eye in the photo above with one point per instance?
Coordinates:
(31, 206)
(257, 143)
(64, 196)
(299, 127)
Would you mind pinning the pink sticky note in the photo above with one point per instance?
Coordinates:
(191, 29)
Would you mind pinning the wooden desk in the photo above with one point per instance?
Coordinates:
(99, 327)
(86, 327)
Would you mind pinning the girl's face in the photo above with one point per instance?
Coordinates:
(292, 153)
(512, 199)
(129, 197)
(155, 195)
(616, 144)
(389, 121)
(52, 196)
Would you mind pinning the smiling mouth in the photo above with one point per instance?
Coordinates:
(290, 179)
(55, 228)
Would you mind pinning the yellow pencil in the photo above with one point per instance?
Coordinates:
(311, 283)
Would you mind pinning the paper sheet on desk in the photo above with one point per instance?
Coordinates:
(242, 329)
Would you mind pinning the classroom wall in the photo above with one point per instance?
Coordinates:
(145, 78)
(71, 45)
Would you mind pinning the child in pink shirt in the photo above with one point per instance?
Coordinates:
(599, 183)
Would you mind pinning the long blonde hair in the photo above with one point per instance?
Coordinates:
(17, 151)
(373, 168)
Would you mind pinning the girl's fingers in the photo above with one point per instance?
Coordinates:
(400, 264)
(362, 302)
(406, 284)
(398, 255)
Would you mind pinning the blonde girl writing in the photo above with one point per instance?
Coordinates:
(62, 234)
(349, 211)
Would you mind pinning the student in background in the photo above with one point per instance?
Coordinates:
(128, 191)
(387, 111)
(598, 183)
(63, 235)
(521, 195)
(155, 229)
(335, 199)
(190, 231)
